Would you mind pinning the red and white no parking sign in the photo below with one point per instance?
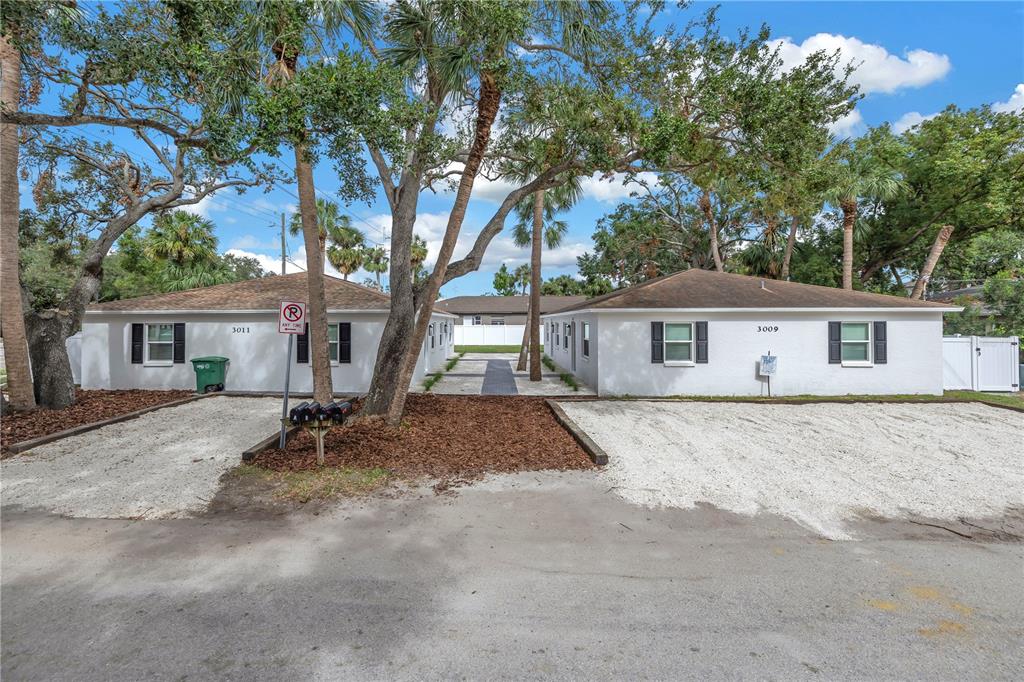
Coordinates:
(292, 319)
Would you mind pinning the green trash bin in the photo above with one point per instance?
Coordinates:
(210, 372)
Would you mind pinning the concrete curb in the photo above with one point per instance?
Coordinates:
(597, 455)
(812, 401)
(26, 445)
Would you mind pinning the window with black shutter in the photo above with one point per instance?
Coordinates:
(138, 329)
(657, 342)
(302, 347)
(702, 342)
(179, 343)
(345, 342)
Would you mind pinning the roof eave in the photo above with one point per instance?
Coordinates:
(861, 309)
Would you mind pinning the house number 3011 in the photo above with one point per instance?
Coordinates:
(239, 330)
(767, 328)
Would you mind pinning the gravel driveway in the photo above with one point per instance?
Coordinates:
(163, 464)
(819, 464)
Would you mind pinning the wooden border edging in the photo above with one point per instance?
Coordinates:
(26, 445)
(596, 454)
(269, 442)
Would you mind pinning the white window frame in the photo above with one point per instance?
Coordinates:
(478, 320)
(146, 361)
(335, 356)
(870, 362)
(665, 342)
(585, 339)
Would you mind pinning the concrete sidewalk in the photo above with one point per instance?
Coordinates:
(495, 374)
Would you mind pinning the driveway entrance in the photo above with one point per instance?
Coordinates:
(495, 374)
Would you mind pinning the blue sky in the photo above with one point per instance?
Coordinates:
(918, 58)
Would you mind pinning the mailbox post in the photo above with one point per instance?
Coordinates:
(291, 321)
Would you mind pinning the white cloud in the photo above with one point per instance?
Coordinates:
(848, 125)
(1015, 103)
(876, 70)
(203, 207)
(248, 242)
(614, 189)
(909, 120)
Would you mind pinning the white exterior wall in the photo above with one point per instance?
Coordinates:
(250, 340)
(735, 346)
(587, 368)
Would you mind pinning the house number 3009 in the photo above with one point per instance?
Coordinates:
(767, 329)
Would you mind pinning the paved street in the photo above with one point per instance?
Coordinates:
(528, 576)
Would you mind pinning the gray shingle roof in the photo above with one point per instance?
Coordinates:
(503, 305)
(709, 289)
(254, 294)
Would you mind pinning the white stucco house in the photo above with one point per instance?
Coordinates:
(147, 342)
(703, 333)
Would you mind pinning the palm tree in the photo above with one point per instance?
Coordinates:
(537, 224)
(346, 251)
(182, 239)
(19, 381)
(332, 225)
(286, 30)
(376, 260)
(858, 174)
(417, 256)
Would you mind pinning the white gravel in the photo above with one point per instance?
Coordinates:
(163, 464)
(819, 464)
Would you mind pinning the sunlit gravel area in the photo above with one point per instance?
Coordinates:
(163, 464)
(819, 464)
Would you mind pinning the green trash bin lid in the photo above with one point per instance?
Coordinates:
(210, 358)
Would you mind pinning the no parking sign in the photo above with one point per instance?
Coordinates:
(292, 319)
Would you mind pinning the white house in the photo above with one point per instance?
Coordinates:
(699, 332)
(147, 342)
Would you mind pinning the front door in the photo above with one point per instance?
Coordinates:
(572, 344)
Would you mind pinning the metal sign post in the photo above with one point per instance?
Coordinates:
(291, 321)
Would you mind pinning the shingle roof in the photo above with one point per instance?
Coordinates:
(504, 305)
(709, 289)
(254, 294)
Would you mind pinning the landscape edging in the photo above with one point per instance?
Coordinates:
(597, 455)
(26, 445)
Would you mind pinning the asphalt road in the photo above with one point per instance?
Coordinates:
(539, 576)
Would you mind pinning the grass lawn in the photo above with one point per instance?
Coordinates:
(489, 349)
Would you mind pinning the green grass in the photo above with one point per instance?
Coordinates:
(548, 362)
(451, 363)
(429, 382)
(569, 380)
(318, 484)
(489, 349)
(993, 399)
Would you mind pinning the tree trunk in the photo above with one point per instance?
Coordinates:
(316, 305)
(709, 215)
(12, 314)
(54, 385)
(941, 239)
(525, 347)
(534, 309)
(389, 388)
(790, 243)
(849, 209)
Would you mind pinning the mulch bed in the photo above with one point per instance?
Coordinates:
(90, 406)
(452, 438)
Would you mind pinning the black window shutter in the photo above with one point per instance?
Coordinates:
(137, 332)
(179, 342)
(702, 342)
(302, 347)
(835, 346)
(881, 352)
(345, 342)
(657, 341)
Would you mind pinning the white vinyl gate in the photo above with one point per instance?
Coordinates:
(980, 363)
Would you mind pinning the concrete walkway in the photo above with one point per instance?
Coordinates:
(495, 374)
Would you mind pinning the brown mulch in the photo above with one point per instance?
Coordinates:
(90, 406)
(452, 438)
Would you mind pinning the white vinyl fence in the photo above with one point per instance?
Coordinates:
(980, 363)
(489, 335)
